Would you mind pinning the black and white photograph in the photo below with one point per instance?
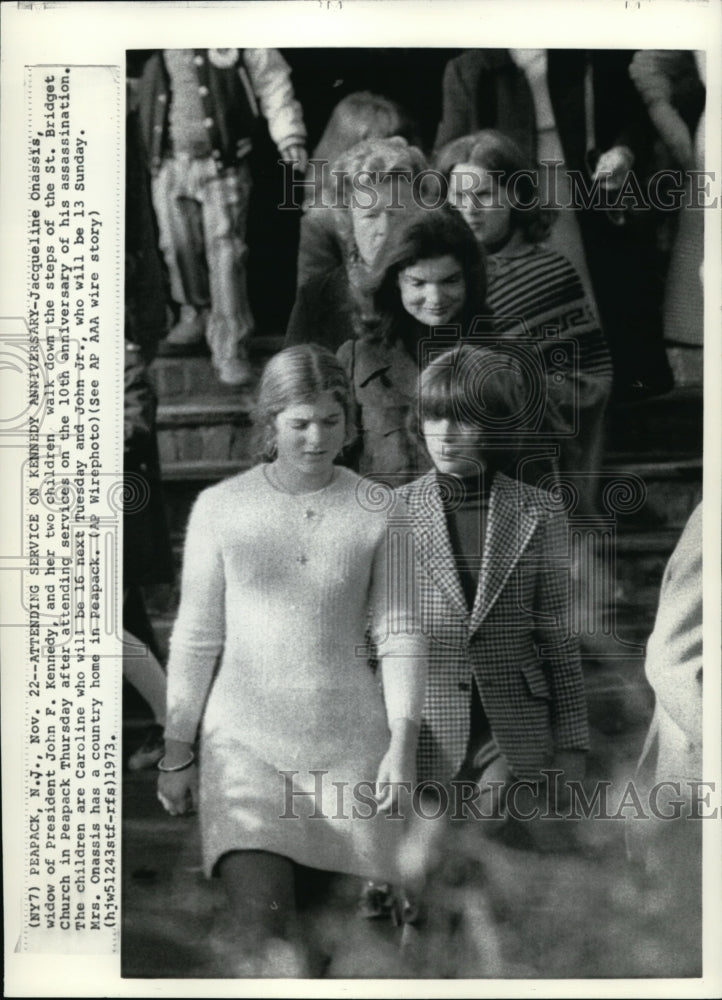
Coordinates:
(370, 632)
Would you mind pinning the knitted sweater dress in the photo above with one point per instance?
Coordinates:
(269, 658)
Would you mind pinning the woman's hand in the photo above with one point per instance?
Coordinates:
(398, 764)
(178, 790)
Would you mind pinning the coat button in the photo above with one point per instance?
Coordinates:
(198, 60)
(162, 98)
(208, 122)
(203, 90)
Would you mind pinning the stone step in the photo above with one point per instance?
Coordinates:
(204, 436)
(205, 410)
(671, 491)
(195, 456)
(663, 426)
(203, 430)
(638, 569)
(185, 377)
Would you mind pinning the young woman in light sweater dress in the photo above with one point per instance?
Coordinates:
(286, 571)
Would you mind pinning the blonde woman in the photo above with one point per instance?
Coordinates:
(286, 571)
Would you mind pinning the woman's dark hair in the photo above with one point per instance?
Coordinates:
(493, 151)
(482, 388)
(419, 234)
(298, 374)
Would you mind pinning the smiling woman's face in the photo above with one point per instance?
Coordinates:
(433, 291)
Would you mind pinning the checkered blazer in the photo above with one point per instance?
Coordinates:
(515, 642)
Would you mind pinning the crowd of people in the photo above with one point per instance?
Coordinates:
(377, 614)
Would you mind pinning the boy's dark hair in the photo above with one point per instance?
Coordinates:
(483, 388)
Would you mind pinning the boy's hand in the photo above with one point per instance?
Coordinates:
(573, 765)
(613, 166)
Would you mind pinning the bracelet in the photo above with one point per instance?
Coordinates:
(177, 767)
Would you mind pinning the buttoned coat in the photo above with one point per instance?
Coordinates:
(384, 378)
(515, 642)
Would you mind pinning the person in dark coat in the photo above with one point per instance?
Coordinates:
(330, 306)
(358, 117)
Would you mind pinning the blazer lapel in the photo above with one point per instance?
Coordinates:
(438, 556)
(511, 523)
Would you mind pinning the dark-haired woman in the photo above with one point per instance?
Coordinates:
(428, 289)
(537, 297)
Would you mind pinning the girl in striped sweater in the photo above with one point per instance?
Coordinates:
(537, 299)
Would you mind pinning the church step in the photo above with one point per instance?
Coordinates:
(217, 431)
(664, 425)
(204, 437)
(202, 471)
(638, 568)
(191, 376)
(672, 489)
(205, 410)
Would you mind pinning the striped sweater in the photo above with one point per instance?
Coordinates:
(536, 293)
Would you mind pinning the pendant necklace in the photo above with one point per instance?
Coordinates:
(312, 516)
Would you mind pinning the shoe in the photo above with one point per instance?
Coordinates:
(150, 751)
(190, 331)
(376, 901)
(235, 371)
(641, 389)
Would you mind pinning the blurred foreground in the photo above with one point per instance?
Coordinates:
(578, 910)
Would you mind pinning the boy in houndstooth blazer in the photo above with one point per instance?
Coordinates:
(505, 696)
